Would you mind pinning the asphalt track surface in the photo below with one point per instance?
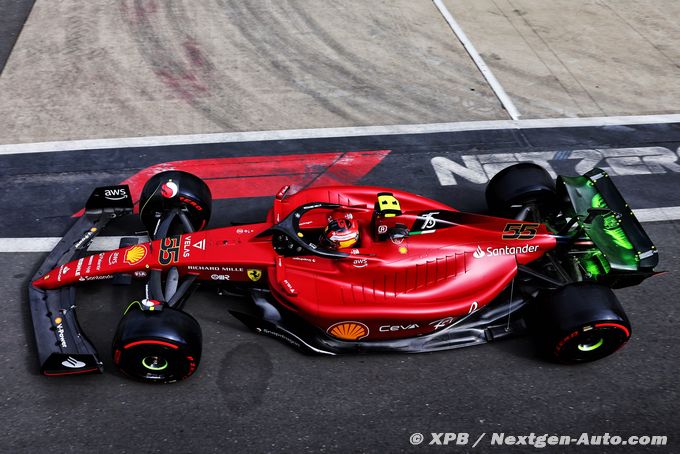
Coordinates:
(255, 394)
(12, 19)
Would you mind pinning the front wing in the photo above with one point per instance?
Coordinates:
(62, 347)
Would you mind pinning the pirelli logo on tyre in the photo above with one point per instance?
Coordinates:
(348, 331)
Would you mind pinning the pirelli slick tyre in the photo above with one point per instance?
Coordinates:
(175, 189)
(520, 184)
(578, 323)
(157, 346)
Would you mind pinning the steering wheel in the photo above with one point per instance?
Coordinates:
(290, 227)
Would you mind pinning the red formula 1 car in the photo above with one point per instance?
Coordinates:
(356, 269)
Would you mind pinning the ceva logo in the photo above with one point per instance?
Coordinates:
(478, 254)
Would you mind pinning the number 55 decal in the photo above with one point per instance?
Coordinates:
(520, 231)
(169, 252)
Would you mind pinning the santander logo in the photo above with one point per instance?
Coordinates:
(478, 254)
(505, 250)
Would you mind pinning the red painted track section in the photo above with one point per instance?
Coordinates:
(261, 176)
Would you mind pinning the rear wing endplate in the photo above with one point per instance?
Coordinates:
(609, 221)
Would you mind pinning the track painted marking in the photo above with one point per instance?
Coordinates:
(658, 214)
(46, 244)
(497, 88)
(107, 243)
(260, 176)
(327, 133)
(480, 168)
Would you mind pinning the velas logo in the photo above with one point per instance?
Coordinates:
(134, 255)
(169, 189)
(506, 250)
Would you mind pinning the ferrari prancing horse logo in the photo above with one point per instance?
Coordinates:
(254, 275)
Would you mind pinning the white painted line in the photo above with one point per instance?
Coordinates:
(325, 133)
(658, 214)
(46, 244)
(107, 243)
(479, 61)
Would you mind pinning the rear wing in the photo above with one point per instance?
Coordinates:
(63, 349)
(609, 222)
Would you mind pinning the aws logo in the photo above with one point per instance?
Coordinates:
(115, 194)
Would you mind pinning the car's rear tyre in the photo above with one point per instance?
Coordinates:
(520, 184)
(578, 323)
(157, 346)
(175, 189)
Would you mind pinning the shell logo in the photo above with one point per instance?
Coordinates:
(349, 331)
(134, 255)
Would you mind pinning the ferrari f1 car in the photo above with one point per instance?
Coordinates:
(422, 277)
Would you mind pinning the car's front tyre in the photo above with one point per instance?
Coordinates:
(157, 346)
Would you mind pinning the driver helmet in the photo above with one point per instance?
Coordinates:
(341, 233)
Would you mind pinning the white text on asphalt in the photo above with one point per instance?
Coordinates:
(480, 168)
